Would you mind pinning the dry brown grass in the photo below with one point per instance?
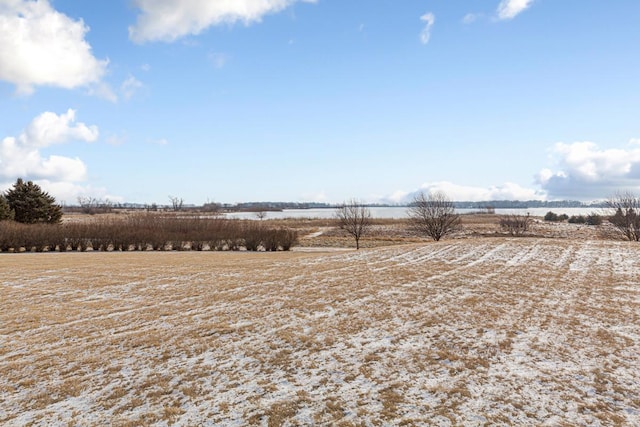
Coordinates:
(466, 331)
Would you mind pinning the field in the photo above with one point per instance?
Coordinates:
(527, 331)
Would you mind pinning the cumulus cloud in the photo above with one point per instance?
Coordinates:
(169, 20)
(507, 191)
(41, 46)
(509, 9)
(429, 19)
(69, 192)
(21, 157)
(50, 128)
(585, 171)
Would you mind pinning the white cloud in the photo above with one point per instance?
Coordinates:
(68, 192)
(507, 191)
(130, 86)
(470, 18)
(50, 128)
(585, 171)
(41, 46)
(218, 60)
(115, 139)
(169, 20)
(21, 157)
(508, 9)
(425, 34)
(104, 91)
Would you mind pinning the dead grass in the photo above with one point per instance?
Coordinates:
(462, 332)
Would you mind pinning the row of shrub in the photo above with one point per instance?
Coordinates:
(591, 219)
(145, 232)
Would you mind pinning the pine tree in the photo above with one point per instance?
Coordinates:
(32, 205)
(5, 210)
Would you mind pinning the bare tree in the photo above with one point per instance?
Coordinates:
(91, 205)
(433, 214)
(354, 218)
(625, 217)
(176, 203)
(261, 214)
(515, 224)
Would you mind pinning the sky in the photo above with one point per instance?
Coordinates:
(320, 100)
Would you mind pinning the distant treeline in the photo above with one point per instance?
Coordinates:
(529, 204)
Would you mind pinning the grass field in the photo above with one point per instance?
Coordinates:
(499, 330)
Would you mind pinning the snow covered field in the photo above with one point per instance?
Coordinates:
(496, 330)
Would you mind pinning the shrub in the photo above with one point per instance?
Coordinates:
(594, 219)
(625, 220)
(253, 236)
(516, 225)
(580, 219)
(288, 238)
(554, 217)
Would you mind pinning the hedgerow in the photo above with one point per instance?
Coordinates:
(145, 233)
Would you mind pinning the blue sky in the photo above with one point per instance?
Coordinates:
(326, 100)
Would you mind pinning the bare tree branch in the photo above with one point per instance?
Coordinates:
(625, 217)
(433, 214)
(176, 203)
(515, 224)
(354, 218)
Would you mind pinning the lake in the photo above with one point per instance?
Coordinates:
(401, 212)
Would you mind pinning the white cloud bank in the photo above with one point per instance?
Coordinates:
(429, 19)
(585, 171)
(21, 157)
(509, 9)
(40, 46)
(507, 191)
(169, 20)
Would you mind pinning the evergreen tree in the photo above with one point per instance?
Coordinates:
(32, 205)
(5, 210)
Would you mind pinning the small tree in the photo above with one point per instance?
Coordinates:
(32, 205)
(433, 214)
(176, 203)
(626, 219)
(6, 213)
(354, 218)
